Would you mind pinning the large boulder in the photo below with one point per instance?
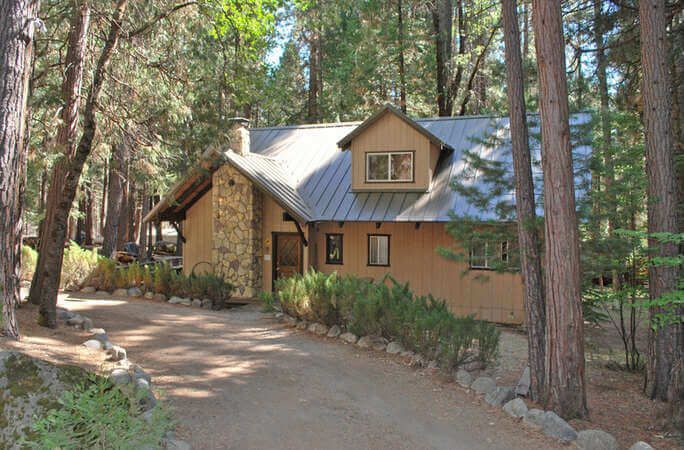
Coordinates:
(499, 396)
(483, 385)
(196, 302)
(641, 445)
(334, 331)
(596, 440)
(534, 418)
(159, 297)
(149, 295)
(394, 347)
(30, 388)
(134, 292)
(523, 386)
(318, 328)
(88, 290)
(463, 378)
(63, 314)
(516, 408)
(302, 324)
(119, 376)
(120, 293)
(556, 427)
(349, 337)
(175, 300)
(144, 392)
(93, 344)
(75, 321)
(375, 342)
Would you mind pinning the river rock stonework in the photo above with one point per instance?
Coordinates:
(237, 207)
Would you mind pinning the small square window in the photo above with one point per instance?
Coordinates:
(486, 255)
(333, 248)
(389, 167)
(378, 250)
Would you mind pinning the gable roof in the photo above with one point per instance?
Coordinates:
(305, 172)
(345, 142)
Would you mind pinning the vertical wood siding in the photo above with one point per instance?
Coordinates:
(198, 232)
(390, 133)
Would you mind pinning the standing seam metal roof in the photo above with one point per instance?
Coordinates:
(305, 170)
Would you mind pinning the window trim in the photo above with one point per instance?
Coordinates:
(487, 258)
(368, 249)
(327, 260)
(389, 166)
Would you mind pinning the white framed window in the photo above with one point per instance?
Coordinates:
(389, 167)
(378, 250)
(486, 255)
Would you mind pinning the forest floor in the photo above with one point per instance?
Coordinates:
(240, 379)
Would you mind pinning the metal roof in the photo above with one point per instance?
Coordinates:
(304, 169)
(308, 175)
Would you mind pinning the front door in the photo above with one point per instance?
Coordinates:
(287, 260)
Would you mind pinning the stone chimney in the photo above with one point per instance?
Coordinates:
(238, 135)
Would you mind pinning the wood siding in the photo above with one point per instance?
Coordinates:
(413, 258)
(390, 133)
(198, 232)
(273, 222)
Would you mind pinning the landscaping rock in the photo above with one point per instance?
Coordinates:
(197, 303)
(334, 331)
(93, 344)
(318, 328)
(175, 300)
(302, 324)
(523, 386)
(119, 376)
(186, 302)
(207, 303)
(556, 427)
(473, 366)
(534, 418)
(463, 378)
(394, 347)
(116, 353)
(349, 337)
(641, 445)
(483, 385)
(87, 324)
(88, 290)
(174, 444)
(98, 331)
(596, 440)
(120, 293)
(515, 408)
(106, 345)
(159, 297)
(102, 293)
(75, 321)
(500, 396)
(134, 292)
(63, 314)
(143, 389)
(139, 373)
(149, 295)
(278, 315)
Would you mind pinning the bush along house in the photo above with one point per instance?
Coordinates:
(366, 198)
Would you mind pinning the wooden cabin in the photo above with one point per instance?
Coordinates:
(364, 198)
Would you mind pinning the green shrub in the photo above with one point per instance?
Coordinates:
(29, 258)
(422, 324)
(77, 265)
(97, 414)
(268, 301)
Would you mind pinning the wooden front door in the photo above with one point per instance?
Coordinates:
(287, 260)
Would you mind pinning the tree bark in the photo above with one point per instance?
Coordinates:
(71, 95)
(89, 204)
(664, 361)
(72, 167)
(115, 198)
(442, 18)
(402, 70)
(142, 253)
(564, 364)
(105, 187)
(315, 50)
(528, 238)
(16, 36)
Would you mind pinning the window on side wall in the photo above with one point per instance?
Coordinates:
(378, 250)
(333, 248)
(389, 167)
(488, 255)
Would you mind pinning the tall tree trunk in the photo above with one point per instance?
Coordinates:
(664, 360)
(315, 49)
(53, 236)
(402, 70)
(132, 228)
(142, 252)
(115, 198)
(52, 252)
(442, 20)
(103, 204)
(526, 30)
(88, 221)
(530, 253)
(16, 37)
(564, 365)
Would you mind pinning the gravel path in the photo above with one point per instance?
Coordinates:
(239, 379)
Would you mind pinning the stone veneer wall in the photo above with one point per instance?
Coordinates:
(238, 209)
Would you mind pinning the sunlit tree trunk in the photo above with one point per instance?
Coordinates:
(564, 365)
(528, 237)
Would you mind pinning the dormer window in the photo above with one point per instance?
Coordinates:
(389, 167)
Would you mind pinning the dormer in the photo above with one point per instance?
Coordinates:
(392, 153)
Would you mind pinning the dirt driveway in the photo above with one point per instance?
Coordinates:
(239, 379)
